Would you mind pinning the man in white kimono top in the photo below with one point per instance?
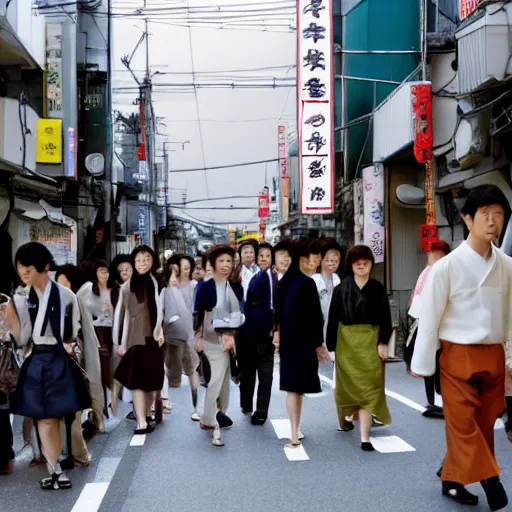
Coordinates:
(465, 311)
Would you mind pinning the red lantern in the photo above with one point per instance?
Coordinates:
(422, 110)
(428, 233)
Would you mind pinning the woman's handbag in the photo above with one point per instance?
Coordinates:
(9, 367)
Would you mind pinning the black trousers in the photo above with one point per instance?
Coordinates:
(256, 358)
(6, 439)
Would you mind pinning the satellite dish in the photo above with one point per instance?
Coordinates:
(95, 164)
(410, 196)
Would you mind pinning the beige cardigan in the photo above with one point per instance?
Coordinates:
(129, 322)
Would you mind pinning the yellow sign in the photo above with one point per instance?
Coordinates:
(49, 141)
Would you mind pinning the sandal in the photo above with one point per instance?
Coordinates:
(293, 445)
(166, 406)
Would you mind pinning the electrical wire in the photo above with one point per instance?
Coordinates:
(201, 138)
(229, 166)
(192, 201)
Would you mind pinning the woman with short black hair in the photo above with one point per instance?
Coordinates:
(217, 318)
(359, 328)
(50, 384)
(298, 333)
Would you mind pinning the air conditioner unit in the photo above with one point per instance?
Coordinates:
(12, 147)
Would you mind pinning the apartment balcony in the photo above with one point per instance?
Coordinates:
(483, 44)
(22, 35)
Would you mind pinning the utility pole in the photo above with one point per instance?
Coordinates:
(430, 231)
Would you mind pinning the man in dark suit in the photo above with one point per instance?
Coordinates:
(255, 348)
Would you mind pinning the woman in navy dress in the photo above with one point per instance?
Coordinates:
(299, 332)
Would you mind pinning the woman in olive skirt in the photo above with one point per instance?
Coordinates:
(138, 331)
(358, 331)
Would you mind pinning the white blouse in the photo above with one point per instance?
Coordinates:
(466, 300)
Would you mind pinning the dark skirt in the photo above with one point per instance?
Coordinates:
(299, 374)
(104, 335)
(142, 367)
(50, 385)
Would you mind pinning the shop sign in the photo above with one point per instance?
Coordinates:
(466, 7)
(53, 68)
(421, 96)
(263, 206)
(70, 167)
(49, 141)
(315, 106)
(373, 198)
(282, 149)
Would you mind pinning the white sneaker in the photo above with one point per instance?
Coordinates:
(217, 438)
(195, 417)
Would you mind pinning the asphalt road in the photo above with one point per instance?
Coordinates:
(178, 469)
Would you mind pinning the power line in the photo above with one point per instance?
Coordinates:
(243, 164)
(201, 138)
(192, 201)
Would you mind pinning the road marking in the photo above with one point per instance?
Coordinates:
(499, 424)
(405, 400)
(296, 454)
(107, 467)
(91, 497)
(138, 440)
(283, 431)
(282, 428)
(391, 444)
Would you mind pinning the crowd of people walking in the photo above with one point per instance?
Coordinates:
(93, 335)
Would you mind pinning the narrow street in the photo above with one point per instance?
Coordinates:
(177, 468)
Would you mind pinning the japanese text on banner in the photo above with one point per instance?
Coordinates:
(373, 194)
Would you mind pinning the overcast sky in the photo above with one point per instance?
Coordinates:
(234, 125)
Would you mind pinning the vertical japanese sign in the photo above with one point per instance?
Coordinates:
(53, 68)
(282, 148)
(70, 167)
(373, 197)
(315, 106)
(466, 7)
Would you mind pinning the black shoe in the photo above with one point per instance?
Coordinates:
(68, 463)
(349, 426)
(223, 420)
(459, 493)
(496, 495)
(258, 419)
(434, 411)
(439, 472)
(55, 482)
(148, 430)
(131, 416)
(367, 447)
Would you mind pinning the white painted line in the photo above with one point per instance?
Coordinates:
(91, 497)
(282, 428)
(499, 424)
(327, 380)
(391, 444)
(296, 454)
(405, 400)
(107, 467)
(138, 440)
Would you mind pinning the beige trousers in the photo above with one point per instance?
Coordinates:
(218, 387)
